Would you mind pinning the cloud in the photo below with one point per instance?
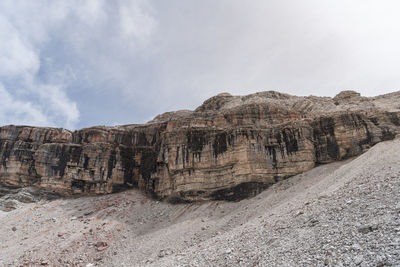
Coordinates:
(22, 36)
(81, 63)
(17, 112)
(91, 11)
(58, 104)
(305, 47)
(17, 57)
(135, 22)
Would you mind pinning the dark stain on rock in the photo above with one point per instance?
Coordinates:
(177, 156)
(178, 200)
(290, 141)
(35, 177)
(75, 153)
(332, 148)
(349, 120)
(85, 161)
(63, 158)
(83, 185)
(240, 191)
(374, 120)
(387, 135)
(78, 184)
(111, 163)
(116, 188)
(183, 156)
(142, 140)
(196, 139)
(272, 153)
(127, 162)
(148, 165)
(154, 183)
(325, 144)
(231, 140)
(220, 144)
(77, 137)
(367, 140)
(394, 118)
(6, 152)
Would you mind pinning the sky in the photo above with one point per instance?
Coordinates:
(81, 63)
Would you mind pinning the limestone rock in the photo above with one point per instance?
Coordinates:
(348, 94)
(231, 147)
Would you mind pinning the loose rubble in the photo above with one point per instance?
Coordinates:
(339, 214)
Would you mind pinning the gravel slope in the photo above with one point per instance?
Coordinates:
(340, 214)
(348, 218)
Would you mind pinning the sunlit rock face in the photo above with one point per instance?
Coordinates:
(229, 148)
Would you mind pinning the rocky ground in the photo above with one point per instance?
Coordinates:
(12, 197)
(339, 214)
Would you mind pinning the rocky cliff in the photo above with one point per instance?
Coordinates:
(230, 147)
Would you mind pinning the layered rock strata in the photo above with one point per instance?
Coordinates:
(229, 148)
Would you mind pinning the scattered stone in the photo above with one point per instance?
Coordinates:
(14, 228)
(101, 245)
(358, 259)
(300, 213)
(164, 252)
(367, 228)
(345, 235)
(313, 222)
(356, 247)
(87, 213)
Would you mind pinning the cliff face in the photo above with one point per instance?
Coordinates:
(229, 148)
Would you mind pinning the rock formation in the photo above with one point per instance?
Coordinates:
(229, 148)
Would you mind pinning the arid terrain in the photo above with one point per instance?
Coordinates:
(199, 133)
(345, 213)
(229, 148)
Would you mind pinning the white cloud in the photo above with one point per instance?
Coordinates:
(147, 56)
(16, 56)
(22, 35)
(136, 22)
(17, 112)
(58, 104)
(91, 11)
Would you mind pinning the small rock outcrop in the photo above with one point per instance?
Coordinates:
(229, 148)
(348, 94)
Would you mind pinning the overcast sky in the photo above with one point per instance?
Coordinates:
(77, 63)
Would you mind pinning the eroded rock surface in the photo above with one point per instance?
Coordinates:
(231, 147)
